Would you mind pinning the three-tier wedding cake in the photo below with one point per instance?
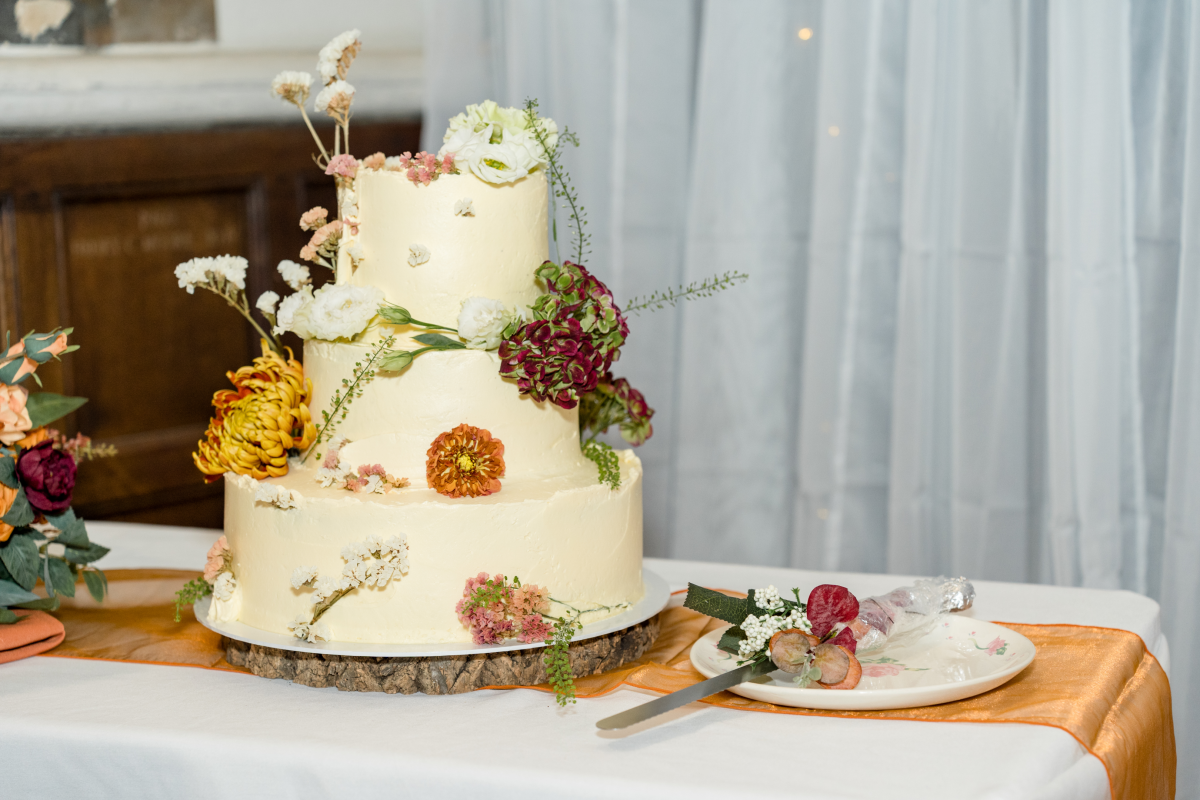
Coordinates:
(431, 472)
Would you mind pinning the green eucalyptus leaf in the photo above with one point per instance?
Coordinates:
(7, 617)
(8, 472)
(62, 579)
(715, 604)
(439, 341)
(11, 594)
(46, 407)
(85, 555)
(97, 584)
(21, 557)
(20, 513)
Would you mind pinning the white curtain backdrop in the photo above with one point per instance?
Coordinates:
(971, 338)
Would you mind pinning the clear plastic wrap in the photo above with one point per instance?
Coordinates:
(906, 614)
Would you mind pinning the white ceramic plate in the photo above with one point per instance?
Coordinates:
(656, 597)
(960, 658)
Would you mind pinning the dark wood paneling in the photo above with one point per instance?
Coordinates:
(90, 232)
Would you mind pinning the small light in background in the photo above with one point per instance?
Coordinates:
(834, 130)
(805, 34)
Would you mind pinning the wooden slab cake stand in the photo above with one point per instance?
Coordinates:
(450, 668)
(439, 674)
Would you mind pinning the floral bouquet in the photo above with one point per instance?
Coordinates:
(40, 536)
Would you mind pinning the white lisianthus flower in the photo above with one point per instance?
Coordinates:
(482, 321)
(294, 275)
(524, 140)
(267, 301)
(341, 311)
(463, 138)
(293, 314)
(302, 576)
(497, 163)
(417, 254)
(292, 87)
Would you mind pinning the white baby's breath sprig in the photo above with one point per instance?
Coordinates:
(224, 276)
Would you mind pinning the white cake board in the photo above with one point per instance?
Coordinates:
(658, 593)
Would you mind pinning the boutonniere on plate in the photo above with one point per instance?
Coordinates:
(818, 640)
(40, 536)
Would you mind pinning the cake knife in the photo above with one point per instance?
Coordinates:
(697, 691)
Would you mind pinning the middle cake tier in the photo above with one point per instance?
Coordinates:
(398, 415)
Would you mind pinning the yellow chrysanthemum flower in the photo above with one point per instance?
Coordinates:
(256, 423)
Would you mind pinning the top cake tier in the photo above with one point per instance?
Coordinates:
(491, 252)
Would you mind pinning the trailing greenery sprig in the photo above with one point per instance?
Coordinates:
(352, 388)
(192, 591)
(606, 462)
(558, 660)
(658, 300)
(560, 181)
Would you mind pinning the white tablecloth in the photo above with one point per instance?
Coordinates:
(83, 728)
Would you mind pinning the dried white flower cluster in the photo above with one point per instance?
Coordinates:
(760, 628)
(294, 275)
(276, 495)
(343, 47)
(417, 254)
(338, 473)
(372, 562)
(292, 87)
(335, 100)
(215, 273)
(464, 208)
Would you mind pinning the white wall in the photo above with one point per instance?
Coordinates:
(197, 84)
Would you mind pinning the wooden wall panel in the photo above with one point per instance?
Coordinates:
(90, 232)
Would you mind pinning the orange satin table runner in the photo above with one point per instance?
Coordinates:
(1100, 685)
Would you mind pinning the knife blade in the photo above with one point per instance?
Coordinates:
(698, 691)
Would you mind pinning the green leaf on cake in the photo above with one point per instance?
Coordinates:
(46, 407)
(20, 513)
(97, 583)
(21, 557)
(439, 341)
(61, 578)
(715, 604)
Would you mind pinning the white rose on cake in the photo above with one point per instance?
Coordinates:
(293, 314)
(341, 311)
(482, 322)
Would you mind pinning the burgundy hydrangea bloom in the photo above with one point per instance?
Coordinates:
(48, 477)
(615, 402)
(575, 335)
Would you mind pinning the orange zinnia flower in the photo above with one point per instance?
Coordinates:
(465, 462)
(259, 421)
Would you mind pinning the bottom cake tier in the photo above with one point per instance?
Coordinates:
(572, 535)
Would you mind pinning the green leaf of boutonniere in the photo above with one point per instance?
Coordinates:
(11, 594)
(8, 472)
(732, 639)
(439, 341)
(41, 604)
(21, 557)
(85, 555)
(715, 604)
(46, 407)
(7, 617)
(20, 513)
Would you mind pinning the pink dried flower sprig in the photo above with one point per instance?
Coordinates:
(322, 247)
(495, 609)
(576, 333)
(219, 560)
(423, 168)
(344, 166)
(362, 482)
(314, 218)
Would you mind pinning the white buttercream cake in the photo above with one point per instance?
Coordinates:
(552, 523)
